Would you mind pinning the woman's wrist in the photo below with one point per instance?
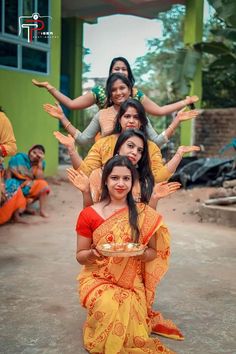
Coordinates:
(50, 87)
(179, 153)
(71, 150)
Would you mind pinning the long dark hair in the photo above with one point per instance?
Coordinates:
(125, 61)
(131, 102)
(143, 168)
(110, 82)
(107, 169)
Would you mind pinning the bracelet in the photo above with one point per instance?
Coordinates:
(67, 125)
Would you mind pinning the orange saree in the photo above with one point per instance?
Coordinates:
(119, 292)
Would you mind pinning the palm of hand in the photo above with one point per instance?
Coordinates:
(161, 190)
(187, 115)
(81, 182)
(78, 179)
(68, 141)
(186, 149)
(55, 111)
(40, 83)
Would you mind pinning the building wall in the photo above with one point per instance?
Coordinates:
(214, 129)
(22, 102)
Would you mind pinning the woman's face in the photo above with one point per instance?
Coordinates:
(36, 155)
(120, 67)
(130, 119)
(120, 92)
(119, 182)
(133, 149)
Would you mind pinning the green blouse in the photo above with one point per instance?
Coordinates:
(100, 95)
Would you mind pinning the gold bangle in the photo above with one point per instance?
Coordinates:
(67, 125)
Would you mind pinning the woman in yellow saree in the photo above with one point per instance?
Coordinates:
(118, 292)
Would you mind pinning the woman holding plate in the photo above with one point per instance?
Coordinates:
(127, 284)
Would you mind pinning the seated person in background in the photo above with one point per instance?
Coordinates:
(26, 171)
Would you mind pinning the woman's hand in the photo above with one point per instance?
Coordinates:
(68, 141)
(94, 254)
(54, 111)
(148, 255)
(186, 115)
(191, 99)
(78, 179)
(163, 189)
(44, 84)
(186, 149)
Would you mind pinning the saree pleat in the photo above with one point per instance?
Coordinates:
(15, 202)
(113, 289)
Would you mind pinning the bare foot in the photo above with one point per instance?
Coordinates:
(30, 211)
(43, 214)
(17, 218)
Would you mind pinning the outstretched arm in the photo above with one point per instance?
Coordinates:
(81, 138)
(175, 161)
(153, 108)
(80, 102)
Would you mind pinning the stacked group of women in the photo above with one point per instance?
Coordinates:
(122, 178)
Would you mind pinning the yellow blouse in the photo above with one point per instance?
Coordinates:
(103, 149)
(7, 138)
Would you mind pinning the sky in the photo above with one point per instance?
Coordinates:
(119, 35)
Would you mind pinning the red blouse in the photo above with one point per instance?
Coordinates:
(88, 220)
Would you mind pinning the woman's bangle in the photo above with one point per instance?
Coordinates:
(67, 125)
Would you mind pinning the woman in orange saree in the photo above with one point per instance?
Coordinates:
(118, 292)
(26, 171)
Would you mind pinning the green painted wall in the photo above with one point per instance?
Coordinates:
(71, 64)
(192, 34)
(23, 102)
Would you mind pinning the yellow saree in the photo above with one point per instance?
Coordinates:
(119, 292)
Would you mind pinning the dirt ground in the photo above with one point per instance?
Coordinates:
(39, 308)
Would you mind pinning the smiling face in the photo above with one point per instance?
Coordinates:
(120, 92)
(36, 155)
(119, 182)
(120, 67)
(130, 119)
(133, 149)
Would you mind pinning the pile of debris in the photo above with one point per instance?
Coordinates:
(220, 208)
(225, 195)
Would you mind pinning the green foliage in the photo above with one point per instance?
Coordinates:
(166, 71)
(86, 67)
(219, 56)
(154, 71)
